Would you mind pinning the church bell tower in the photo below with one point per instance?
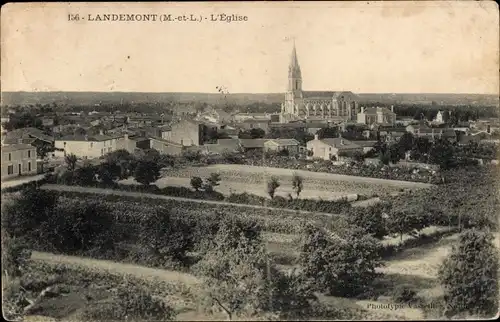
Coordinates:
(294, 88)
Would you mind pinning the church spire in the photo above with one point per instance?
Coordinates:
(294, 68)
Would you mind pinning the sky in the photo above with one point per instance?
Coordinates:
(364, 47)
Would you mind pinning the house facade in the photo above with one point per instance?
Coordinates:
(277, 145)
(18, 159)
(185, 133)
(332, 148)
(432, 133)
(165, 147)
(92, 146)
(376, 115)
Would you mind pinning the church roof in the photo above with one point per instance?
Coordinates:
(325, 94)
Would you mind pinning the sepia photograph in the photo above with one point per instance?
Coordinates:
(263, 161)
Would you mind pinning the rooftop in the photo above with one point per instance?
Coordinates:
(340, 143)
(90, 138)
(16, 147)
(375, 110)
(284, 142)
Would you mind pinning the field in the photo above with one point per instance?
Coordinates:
(326, 185)
(227, 187)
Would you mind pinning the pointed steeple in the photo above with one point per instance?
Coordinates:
(294, 68)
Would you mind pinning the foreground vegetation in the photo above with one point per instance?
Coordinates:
(224, 247)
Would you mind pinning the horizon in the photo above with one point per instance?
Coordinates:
(257, 93)
(375, 48)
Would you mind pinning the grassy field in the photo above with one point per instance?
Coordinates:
(327, 183)
(227, 187)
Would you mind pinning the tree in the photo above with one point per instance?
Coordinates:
(81, 227)
(167, 237)
(358, 156)
(407, 222)
(255, 133)
(109, 173)
(85, 176)
(124, 159)
(442, 153)
(342, 266)
(272, 185)
(405, 143)
(147, 172)
(196, 183)
(240, 280)
(297, 184)
(469, 275)
(23, 215)
(71, 160)
(371, 219)
(211, 182)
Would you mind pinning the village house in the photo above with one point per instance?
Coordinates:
(215, 115)
(18, 159)
(185, 133)
(93, 146)
(32, 136)
(366, 145)
(389, 134)
(432, 133)
(377, 115)
(252, 144)
(277, 145)
(164, 146)
(249, 124)
(239, 117)
(222, 146)
(230, 131)
(183, 111)
(332, 148)
(146, 120)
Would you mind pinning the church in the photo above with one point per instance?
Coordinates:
(315, 105)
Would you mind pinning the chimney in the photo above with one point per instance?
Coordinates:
(125, 136)
(362, 109)
(101, 132)
(392, 108)
(20, 141)
(316, 137)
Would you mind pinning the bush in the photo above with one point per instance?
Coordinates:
(147, 172)
(130, 303)
(23, 216)
(403, 293)
(79, 227)
(469, 275)
(15, 255)
(371, 219)
(166, 237)
(196, 183)
(184, 192)
(341, 266)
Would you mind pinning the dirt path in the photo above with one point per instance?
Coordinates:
(117, 268)
(55, 187)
